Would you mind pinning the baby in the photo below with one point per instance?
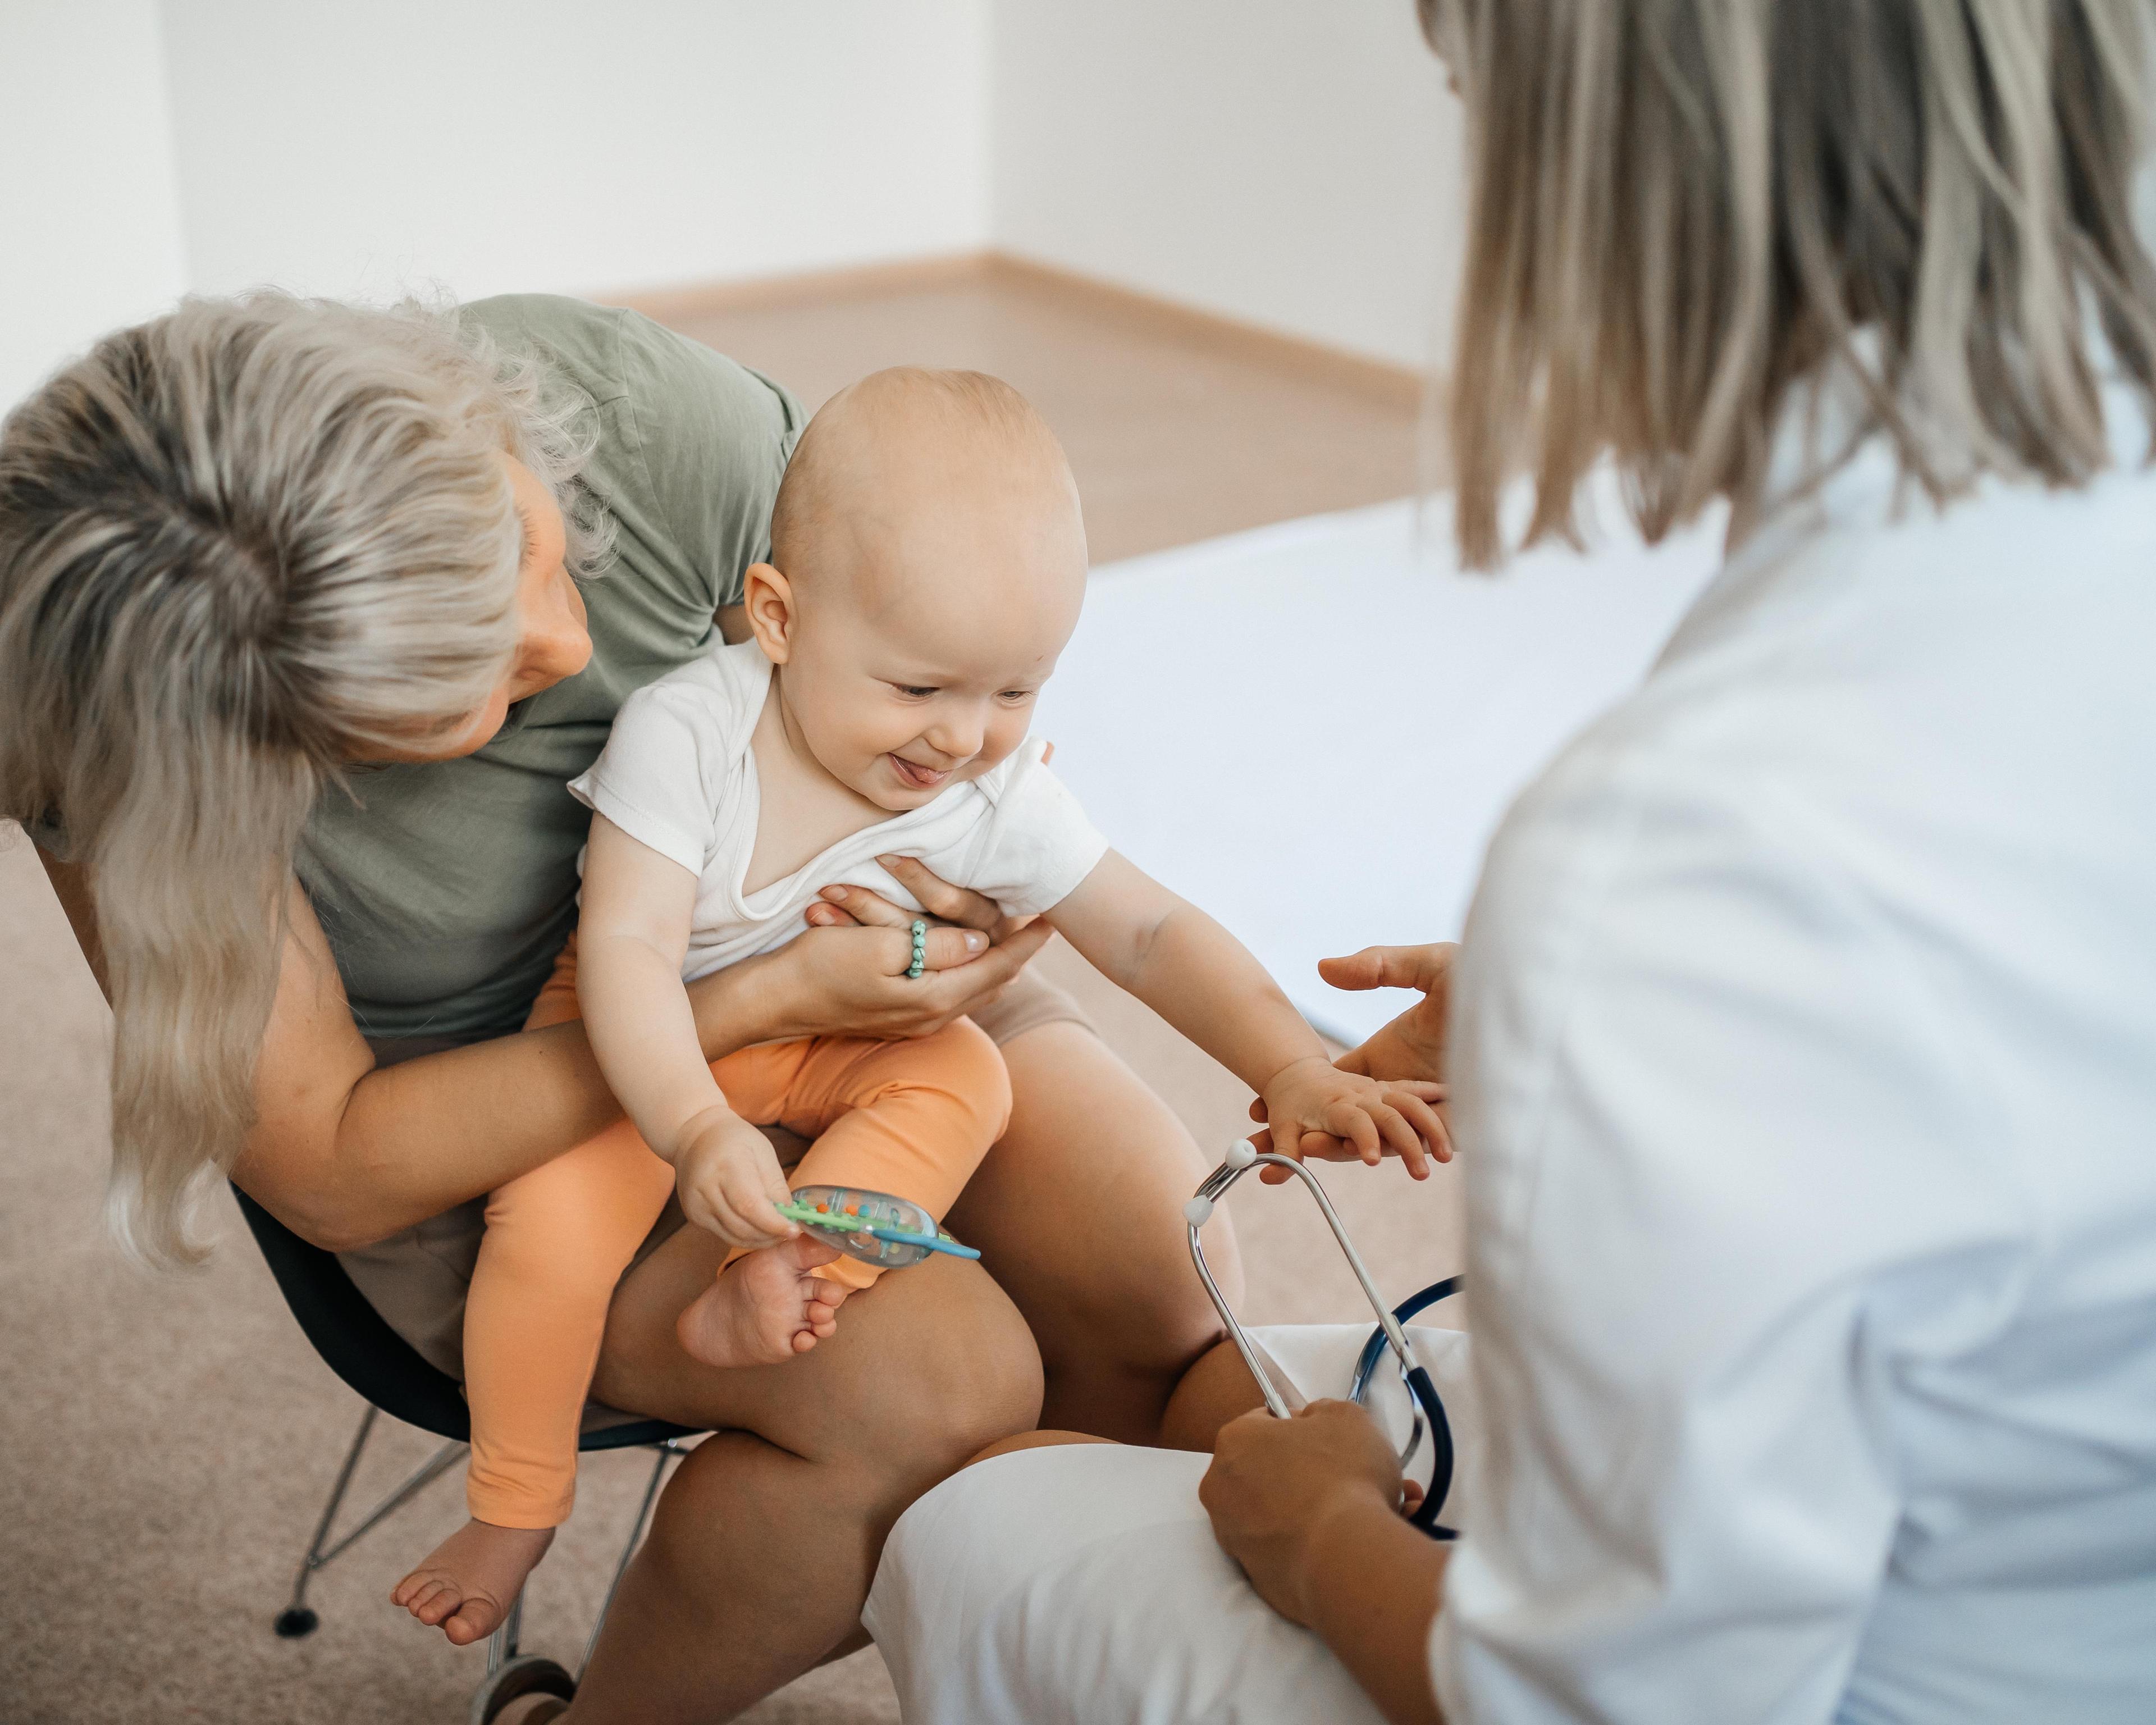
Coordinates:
(928, 565)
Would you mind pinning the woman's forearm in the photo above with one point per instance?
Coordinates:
(1373, 1586)
(381, 1148)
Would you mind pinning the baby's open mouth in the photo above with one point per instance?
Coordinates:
(920, 778)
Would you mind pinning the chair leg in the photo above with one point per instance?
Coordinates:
(297, 1619)
(668, 1451)
(501, 1645)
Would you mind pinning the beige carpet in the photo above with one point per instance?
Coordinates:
(166, 1443)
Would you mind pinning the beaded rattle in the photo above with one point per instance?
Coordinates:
(873, 1226)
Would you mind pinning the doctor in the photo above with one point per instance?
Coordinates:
(1802, 1039)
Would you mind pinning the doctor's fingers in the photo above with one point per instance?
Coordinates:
(1423, 968)
(1312, 1147)
(1284, 1136)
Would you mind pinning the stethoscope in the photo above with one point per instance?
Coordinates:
(1424, 1402)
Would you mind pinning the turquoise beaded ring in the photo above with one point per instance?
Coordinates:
(919, 950)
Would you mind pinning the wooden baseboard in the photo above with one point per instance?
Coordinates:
(809, 287)
(1400, 386)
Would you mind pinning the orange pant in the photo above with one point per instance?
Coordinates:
(914, 1118)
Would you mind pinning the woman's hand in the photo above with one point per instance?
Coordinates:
(1276, 1487)
(846, 975)
(946, 904)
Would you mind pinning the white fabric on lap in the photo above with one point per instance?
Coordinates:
(1082, 1585)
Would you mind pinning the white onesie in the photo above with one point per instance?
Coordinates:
(678, 775)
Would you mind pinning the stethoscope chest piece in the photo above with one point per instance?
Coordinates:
(1427, 1409)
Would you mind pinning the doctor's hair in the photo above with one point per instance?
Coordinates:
(1679, 209)
(241, 545)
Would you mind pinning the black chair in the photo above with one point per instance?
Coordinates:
(392, 1378)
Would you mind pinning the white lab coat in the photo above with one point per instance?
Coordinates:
(1806, 1078)
(1807, 1063)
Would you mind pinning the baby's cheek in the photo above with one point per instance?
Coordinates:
(995, 750)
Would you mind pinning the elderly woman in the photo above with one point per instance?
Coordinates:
(308, 615)
(1804, 1030)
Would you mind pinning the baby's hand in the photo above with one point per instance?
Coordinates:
(729, 1178)
(1312, 1105)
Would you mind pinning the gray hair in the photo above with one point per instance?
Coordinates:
(1681, 207)
(241, 546)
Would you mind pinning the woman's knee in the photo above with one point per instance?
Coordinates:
(927, 1368)
(961, 1383)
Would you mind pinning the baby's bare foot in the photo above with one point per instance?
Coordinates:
(764, 1308)
(468, 1582)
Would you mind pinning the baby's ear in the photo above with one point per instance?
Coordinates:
(767, 607)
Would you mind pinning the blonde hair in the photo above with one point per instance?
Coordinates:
(1681, 207)
(241, 546)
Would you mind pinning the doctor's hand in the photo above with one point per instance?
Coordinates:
(1311, 1508)
(1413, 1045)
(1285, 1494)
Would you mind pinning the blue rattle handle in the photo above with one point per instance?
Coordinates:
(950, 1246)
(876, 1230)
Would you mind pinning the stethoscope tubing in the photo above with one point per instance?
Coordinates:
(1241, 1158)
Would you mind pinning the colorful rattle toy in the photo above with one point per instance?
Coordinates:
(873, 1226)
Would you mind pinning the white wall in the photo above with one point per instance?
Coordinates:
(89, 220)
(1294, 163)
(563, 145)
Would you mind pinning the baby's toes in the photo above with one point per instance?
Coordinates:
(475, 1621)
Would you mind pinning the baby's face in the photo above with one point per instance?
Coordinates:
(921, 641)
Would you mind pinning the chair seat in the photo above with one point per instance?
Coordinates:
(356, 1342)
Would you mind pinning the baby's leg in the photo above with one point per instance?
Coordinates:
(557, 1241)
(909, 1117)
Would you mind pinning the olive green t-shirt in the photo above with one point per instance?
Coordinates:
(447, 889)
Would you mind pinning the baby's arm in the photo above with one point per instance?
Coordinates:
(1203, 981)
(631, 936)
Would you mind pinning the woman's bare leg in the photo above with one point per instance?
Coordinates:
(767, 1538)
(1078, 1213)
(1219, 1388)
